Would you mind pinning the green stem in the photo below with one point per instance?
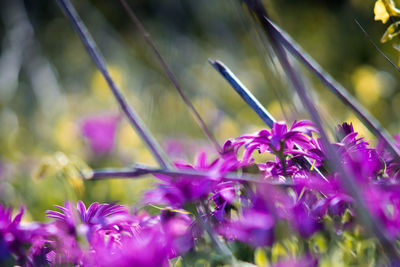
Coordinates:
(221, 246)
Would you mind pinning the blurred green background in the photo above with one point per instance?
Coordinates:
(49, 86)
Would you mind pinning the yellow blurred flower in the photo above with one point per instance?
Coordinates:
(66, 134)
(226, 129)
(260, 258)
(391, 32)
(368, 85)
(127, 139)
(384, 9)
(275, 109)
(69, 169)
(381, 12)
(99, 85)
(130, 144)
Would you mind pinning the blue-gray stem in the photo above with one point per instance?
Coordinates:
(376, 46)
(206, 225)
(99, 61)
(244, 93)
(352, 187)
(369, 121)
(141, 170)
(171, 76)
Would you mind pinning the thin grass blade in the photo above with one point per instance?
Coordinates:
(376, 46)
(171, 76)
(244, 93)
(141, 170)
(258, 10)
(99, 61)
(369, 121)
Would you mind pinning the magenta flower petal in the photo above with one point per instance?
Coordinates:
(100, 132)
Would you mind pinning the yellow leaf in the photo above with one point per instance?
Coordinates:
(99, 85)
(66, 134)
(319, 243)
(368, 84)
(77, 183)
(227, 128)
(173, 210)
(381, 12)
(43, 169)
(391, 32)
(277, 252)
(384, 9)
(391, 8)
(71, 169)
(260, 258)
(313, 165)
(292, 246)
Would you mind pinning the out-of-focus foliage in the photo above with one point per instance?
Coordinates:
(56, 110)
(49, 86)
(385, 10)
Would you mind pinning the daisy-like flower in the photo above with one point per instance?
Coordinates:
(95, 214)
(282, 142)
(74, 225)
(177, 191)
(11, 239)
(280, 138)
(147, 248)
(96, 217)
(16, 240)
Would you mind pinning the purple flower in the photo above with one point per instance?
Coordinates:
(254, 227)
(350, 143)
(318, 199)
(257, 218)
(73, 224)
(280, 138)
(304, 221)
(276, 169)
(353, 151)
(100, 132)
(344, 129)
(151, 241)
(147, 248)
(116, 238)
(385, 206)
(15, 239)
(177, 191)
(177, 228)
(97, 216)
(225, 194)
(333, 205)
(281, 142)
(11, 237)
(392, 165)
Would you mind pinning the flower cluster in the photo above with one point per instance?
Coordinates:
(250, 209)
